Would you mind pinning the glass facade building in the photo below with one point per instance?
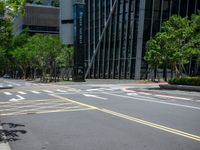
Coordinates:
(116, 32)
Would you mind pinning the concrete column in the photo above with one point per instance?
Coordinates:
(140, 39)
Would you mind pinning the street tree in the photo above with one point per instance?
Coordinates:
(8, 9)
(22, 57)
(45, 51)
(175, 44)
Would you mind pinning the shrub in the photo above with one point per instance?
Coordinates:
(195, 81)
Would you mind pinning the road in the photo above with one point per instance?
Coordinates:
(99, 116)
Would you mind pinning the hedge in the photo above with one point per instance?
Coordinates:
(195, 81)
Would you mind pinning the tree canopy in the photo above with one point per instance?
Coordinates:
(178, 41)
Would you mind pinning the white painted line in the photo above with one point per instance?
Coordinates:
(35, 92)
(15, 108)
(144, 93)
(21, 92)
(16, 100)
(34, 84)
(61, 90)
(154, 101)
(4, 146)
(174, 97)
(125, 90)
(48, 91)
(43, 107)
(12, 83)
(131, 94)
(94, 96)
(7, 93)
(90, 90)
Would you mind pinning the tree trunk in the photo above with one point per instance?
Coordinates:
(155, 73)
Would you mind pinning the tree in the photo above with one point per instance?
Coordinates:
(153, 55)
(55, 3)
(8, 9)
(175, 44)
(3, 60)
(45, 51)
(65, 61)
(22, 57)
(180, 31)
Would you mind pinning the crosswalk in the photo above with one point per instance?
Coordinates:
(9, 83)
(36, 92)
(26, 107)
(52, 91)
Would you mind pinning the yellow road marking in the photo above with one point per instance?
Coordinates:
(133, 119)
(153, 125)
(79, 103)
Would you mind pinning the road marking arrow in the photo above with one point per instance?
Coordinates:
(15, 100)
(89, 95)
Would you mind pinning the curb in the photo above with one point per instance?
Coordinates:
(180, 87)
(4, 146)
(149, 83)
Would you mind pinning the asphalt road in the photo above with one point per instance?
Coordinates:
(99, 116)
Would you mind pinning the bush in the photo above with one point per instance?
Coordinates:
(195, 81)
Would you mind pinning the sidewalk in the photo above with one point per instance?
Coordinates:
(3, 145)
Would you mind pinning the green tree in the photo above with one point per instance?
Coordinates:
(45, 49)
(55, 3)
(175, 44)
(22, 57)
(8, 9)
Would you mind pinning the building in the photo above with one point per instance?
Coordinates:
(116, 32)
(38, 19)
(66, 21)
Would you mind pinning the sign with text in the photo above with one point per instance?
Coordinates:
(79, 42)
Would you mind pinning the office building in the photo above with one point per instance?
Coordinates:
(38, 19)
(116, 32)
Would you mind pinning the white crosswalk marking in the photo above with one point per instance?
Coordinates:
(61, 90)
(20, 92)
(35, 92)
(7, 93)
(47, 91)
(20, 106)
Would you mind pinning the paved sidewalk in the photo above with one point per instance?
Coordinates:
(3, 146)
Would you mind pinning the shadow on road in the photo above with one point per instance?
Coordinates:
(10, 133)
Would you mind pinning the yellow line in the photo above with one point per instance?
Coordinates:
(79, 103)
(140, 121)
(157, 126)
